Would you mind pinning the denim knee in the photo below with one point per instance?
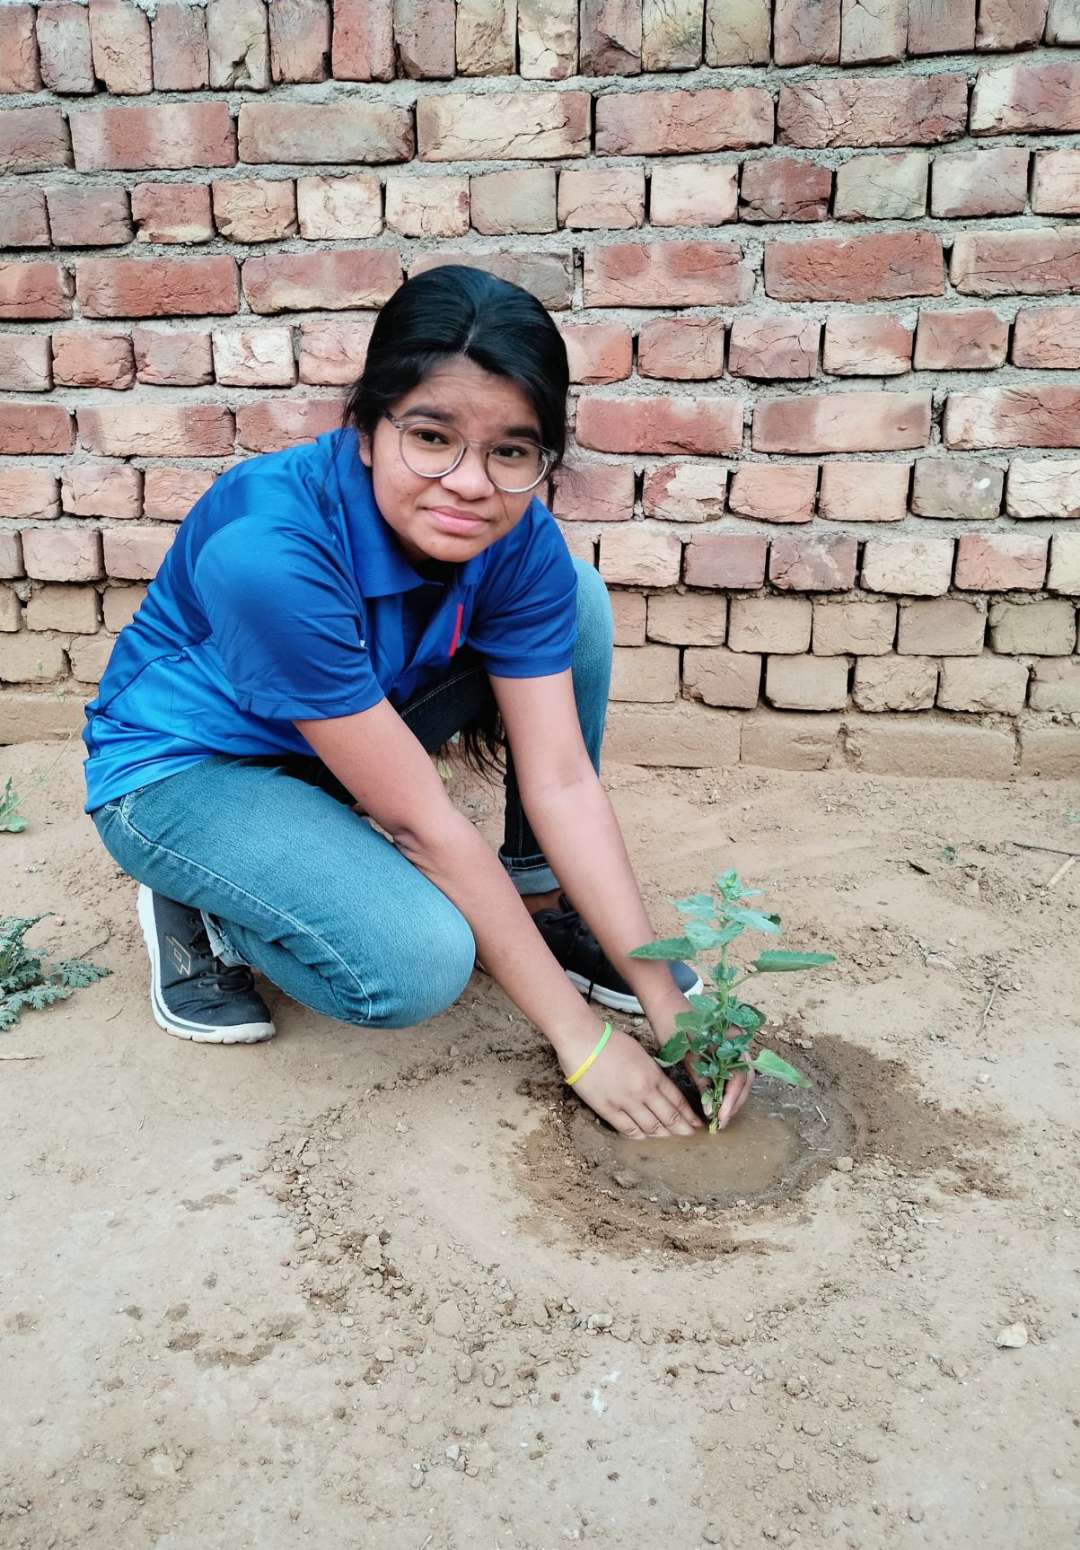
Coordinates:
(591, 667)
(417, 984)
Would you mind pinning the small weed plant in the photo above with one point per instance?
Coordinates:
(720, 1027)
(24, 983)
(11, 820)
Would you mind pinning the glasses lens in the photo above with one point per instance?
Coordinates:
(431, 449)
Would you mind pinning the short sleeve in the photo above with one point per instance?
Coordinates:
(525, 622)
(287, 622)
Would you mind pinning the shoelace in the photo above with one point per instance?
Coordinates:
(223, 976)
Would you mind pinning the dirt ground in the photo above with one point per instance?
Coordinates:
(360, 1289)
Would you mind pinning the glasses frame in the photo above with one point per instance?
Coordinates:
(401, 426)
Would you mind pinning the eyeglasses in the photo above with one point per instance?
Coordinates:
(433, 450)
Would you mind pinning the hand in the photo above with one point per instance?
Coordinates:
(737, 1088)
(736, 1092)
(626, 1087)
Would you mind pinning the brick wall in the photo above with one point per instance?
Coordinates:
(813, 262)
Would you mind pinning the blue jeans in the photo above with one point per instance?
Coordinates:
(305, 890)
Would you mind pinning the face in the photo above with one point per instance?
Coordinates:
(461, 513)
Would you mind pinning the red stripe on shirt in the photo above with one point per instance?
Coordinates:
(457, 630)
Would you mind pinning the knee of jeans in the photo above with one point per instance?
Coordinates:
(595, 627)
(431, 979)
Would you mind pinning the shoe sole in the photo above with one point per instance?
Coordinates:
(618, 1001)
(198, 1033)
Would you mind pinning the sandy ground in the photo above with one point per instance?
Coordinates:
(360, 1290)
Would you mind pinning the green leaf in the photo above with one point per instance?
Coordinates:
(673, 1051)
(702, 935)
(786, 963)
(670, 947)
(743, 1016)
(699, 905)
(10, 821)
(756, 920)
(770, 1064)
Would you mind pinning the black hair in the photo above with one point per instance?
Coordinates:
(455, 310)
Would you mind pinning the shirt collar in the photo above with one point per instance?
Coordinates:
(386, 567)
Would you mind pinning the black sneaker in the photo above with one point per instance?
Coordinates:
(192, 993)
(587, 965)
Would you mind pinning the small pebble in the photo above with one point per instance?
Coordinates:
(1012, 1337)
(844, 1164)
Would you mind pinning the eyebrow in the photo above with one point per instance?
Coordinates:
(447, 417)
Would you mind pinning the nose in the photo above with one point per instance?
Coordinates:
(470, 478)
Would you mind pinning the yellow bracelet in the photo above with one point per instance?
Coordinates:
(581, 1070)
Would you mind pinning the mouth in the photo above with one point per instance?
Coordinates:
(463, 523)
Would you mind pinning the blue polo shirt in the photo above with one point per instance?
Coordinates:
(286, 596)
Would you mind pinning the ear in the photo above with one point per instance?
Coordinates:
(364, 443)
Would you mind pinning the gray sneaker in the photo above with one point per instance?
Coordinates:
(192, 993)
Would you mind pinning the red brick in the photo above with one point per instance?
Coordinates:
(915, 567)
(774, 345)
(101, 488)
(25, 658)
(33, 140)
(135, 553)
(363, 46)
(1019, 98)
(1044, 416)
(628, 617)
(25, 363)
(696, 425)
(255, 210)
(62, 553)
(547, 39)
(647, 673)
(439, 207)
(678, 274)
(170, 493)
(156, 287)
(894, 683)
(671, 34)
(92, 359)
(157, 430)
(23, 222)
(1016, 263)
(337, 208)
(988, 684)
(986, 182)
(942, 627)
(300, 40)
(685, 492)
(734, 561)
(873, 35)
(936, 28)
(784, 188)
(165, 134)
(87, 217)
(254, 357)
(975, 340)
(486, 37)
(1055, 684)
(172, 212)
(173, 357)
(774, 624)
(1040, 629)
(813, 564)
(867, 344)
(594, 492)
(272, 423)
(774, 492)
(332, 352)
(873, 267)
(864, 492)
(522, 200)
(1010, 24)
(19, 70)
(610, 37)
(34, 290)
(26, 491)
(63, 37)
(890, 187)
(668, 123)
(34, 428)
(1064, 574)
(873, 110)
(694, 194)
(737, 32)
(842, 422)
(120, 44)
(296, 282)
(352, 130)
(687, 619)
(546, 275)
(1055, 189)
(689, 349)
(1044, 487)
(239, 46)
(89, 656)
(424, 31)
(785, 741)
(722, 677)
(1062, 22)
(63, 606)
(598, 352)
(863, 629)
(181, 55)
(639, 555)
(806, 32)
(946, 487)
(610, 198)
(807, 682)
(119, 606)
(1000, 562)
(11, 566)
(503, 126)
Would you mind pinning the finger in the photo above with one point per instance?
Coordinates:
(681, 1105)
(735, 1095)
